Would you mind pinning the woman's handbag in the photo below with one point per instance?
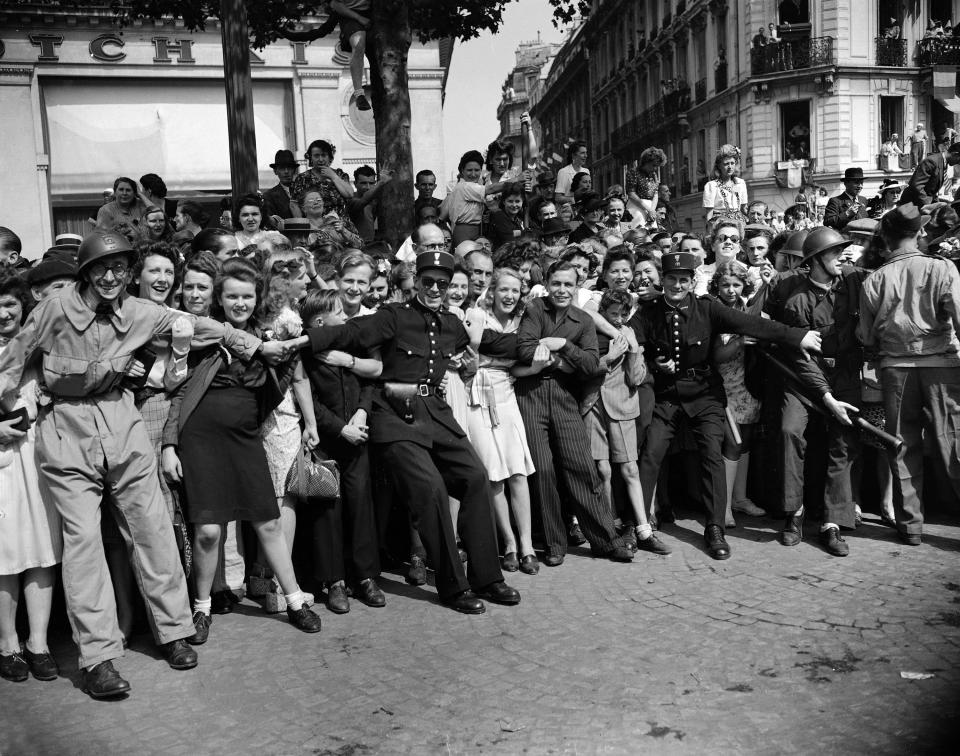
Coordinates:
(312, 478)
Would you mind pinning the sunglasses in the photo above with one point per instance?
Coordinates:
(725, 238)
(290, 267)
(442, 284)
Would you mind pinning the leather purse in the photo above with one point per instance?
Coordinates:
(310, 478)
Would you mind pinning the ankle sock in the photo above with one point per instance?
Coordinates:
(294, 600)
(644, 532)
(827, 525)
(203, 605)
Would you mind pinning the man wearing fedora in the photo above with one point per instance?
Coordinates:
(848, 205)
(277, 203)
(909, 317)
(928, 178)
(811, 305)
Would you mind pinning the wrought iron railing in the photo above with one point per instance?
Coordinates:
(891, 52)
(944, 51)
(791, 56)
(700, 90)
(720, 76)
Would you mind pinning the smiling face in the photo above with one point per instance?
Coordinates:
(726, 244)
(582, 266)
(615, 210)
(458, 290)
(579, 157)
(547, 210)
(506, 296)
(500, 163)
(645, 274)
(156, 222)
(619, 275)
(238, 300)
(562, 288)
(471, 172)
(11, 311)
(730, 289)
(197, 292)
(677, 285)
(513, 204)
(432, 284)
(250, 218)
(109, 276)
(313, 205)
(377, 293)
(354, 285)
(156, 279)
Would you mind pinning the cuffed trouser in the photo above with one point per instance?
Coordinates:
(912, 398)
(425, 479)
(559, 443)
(85, 447)
(707, 427)
(843, 445)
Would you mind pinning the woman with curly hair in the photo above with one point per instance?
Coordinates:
(155, 227)
(30, 539)
(732, 285)
(507, 222)
(495, 427)
(248, 219)
(726, 194)
(464, 204)
(643, 185)
(724, 246)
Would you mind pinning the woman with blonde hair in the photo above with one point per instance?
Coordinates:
(726, 194)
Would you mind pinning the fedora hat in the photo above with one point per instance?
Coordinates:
(283, 159)
(853, 174)
(553, 226)
(546, 179)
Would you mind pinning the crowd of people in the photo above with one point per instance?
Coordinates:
(280, 401)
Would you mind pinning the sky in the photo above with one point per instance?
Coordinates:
(477, 72)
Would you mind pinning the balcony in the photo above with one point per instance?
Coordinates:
(700, 91)
(720, 76)
(791, 56)
(891, 52)
(938, 52)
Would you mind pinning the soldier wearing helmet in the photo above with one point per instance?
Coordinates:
(811, 305)
(91, 439)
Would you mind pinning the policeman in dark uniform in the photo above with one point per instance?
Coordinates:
(425, 452)
(676, 332)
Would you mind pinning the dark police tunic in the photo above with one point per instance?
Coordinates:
(429, 457)
(684, 334)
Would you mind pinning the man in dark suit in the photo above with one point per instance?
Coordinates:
(928, 177)
(277, 202)
(849, 205)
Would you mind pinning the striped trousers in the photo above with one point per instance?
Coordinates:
(560, 445)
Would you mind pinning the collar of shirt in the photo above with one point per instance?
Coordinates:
(419, 306)
(683, 307)
(559, 316)
(81, 315)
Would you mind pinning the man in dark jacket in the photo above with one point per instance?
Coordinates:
(277, 201)
(928, 177)
(849, 205)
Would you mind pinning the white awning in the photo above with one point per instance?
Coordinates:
(103, 128)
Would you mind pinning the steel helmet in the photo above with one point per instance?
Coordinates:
(822, 239)
(794, 243)
(99, 245)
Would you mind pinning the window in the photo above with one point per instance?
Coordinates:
(941, 10)
(721, 132)
(795, 11)
(795, 130)
(891, 119)
(702, 175)
(888, 16)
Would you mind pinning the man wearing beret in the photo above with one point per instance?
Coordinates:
(909, 316)
(676, 332)
(848, 205)
(422, 447)
(928, 177)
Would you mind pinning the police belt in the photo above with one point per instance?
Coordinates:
(694, 374)
(409, 389)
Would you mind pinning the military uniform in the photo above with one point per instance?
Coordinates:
(684, 333)
(426, 454)
(91, 440)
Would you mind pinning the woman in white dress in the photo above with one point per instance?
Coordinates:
(30, 538)
(495, 427)
(726, 194)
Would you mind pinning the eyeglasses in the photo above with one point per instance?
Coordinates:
(99, 270)
(725, 238)
(290, 267)
(435, 245)
(442, 284)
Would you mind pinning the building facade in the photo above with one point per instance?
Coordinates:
(83, 102)
(531, 58)
(688, 76)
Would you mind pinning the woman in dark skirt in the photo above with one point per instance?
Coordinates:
(212, 442)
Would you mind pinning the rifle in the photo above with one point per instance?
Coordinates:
(892, 443)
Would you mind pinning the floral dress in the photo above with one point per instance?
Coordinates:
(280, 431)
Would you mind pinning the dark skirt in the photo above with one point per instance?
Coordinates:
(225, 472)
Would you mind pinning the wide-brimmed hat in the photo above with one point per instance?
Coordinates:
(853, 174)
(904, 220)
(301, 225)
(590, 202)
(283, 159)
(954, 149)
(553, 226)
(50, 268)
(889, 184)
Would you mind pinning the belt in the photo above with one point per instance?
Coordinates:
(695, 374)
(421, 389)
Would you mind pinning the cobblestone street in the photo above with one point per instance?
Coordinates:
(769, 652)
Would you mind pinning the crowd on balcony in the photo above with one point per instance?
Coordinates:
(537, 366)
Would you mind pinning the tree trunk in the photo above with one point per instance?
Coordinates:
(388, 43)
(234, 34)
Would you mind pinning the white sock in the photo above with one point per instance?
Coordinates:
(357, 92)
(827, 525)
(203, 605)
(644, 532)
(799, 511)
(294, 600)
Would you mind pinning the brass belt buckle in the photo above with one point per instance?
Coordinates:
(423, 389)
